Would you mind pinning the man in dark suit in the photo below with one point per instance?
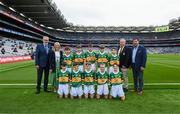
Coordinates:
(42, 63)
(139, 57)
(124, 58)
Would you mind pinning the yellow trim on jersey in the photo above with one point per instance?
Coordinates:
(88, 79)
(76, 79)
(63, 79)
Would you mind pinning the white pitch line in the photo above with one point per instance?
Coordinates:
(170, 66)
(32, 84)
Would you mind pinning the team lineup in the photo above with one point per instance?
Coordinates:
(84, 72)
(76, 73)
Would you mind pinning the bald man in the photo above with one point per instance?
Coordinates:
(124, 55)
(42, 63)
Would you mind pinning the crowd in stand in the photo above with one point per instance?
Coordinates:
(14, 47)
(164, 50)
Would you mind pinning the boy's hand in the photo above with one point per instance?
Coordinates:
(124, 69)
(122, 81)
(37, 66)
(50, 70)
(142, 68)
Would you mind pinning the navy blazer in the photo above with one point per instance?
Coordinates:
(41, 57)
(141, 57)
(124, 57)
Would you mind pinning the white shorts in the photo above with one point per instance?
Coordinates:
(111, 69)
(93, 66)
(63, 89)
(102, 89)
(117, 90)
(81, 68)
(76, 91)
(69, 69)
(89, 89)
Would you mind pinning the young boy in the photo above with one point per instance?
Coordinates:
(90, 56)
(102, 57)
(116, 82)
(89, 77)
(63, 78)
(68, 58)
(113, 59)
(102, 79)
(76, 81)
(79, 57)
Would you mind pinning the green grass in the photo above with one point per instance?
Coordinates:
(156, 98)
(25, 101)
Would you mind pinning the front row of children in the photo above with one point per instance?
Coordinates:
(72, 83)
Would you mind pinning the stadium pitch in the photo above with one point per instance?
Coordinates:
(161, 94)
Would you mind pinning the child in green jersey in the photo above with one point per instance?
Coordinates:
(113, 59)
(63, 79)
(76, 82)
(79, 58)
(116, 82)
(102, 57)
(90, 56)
(89, 77)
(102, 80)
(68, 58)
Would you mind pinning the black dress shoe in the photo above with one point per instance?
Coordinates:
(38, 92)
(47, 91)
(125, 89)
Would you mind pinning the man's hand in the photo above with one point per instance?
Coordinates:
(124, 69)
(50, 70)
(142, 68)
(37, 66)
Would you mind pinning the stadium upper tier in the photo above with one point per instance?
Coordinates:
(31, 19)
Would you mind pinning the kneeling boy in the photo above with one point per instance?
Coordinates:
(116, 82)
(63, 78)
(76, 81)
(89, 77)
(102, 79)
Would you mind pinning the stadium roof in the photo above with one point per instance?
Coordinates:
(110, 29)
(175, 24)
(44, 12)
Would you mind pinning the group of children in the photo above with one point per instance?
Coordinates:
(81, 71)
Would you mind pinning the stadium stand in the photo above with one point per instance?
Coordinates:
(13, 47)
(20, 21)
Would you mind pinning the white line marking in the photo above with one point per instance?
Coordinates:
(170, 66)
(31, 84)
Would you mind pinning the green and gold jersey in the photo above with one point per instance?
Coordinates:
(102, 58)
(90, 56)
(79, 58)
(68, 59)
(89, 77)
(76, 78)
(113, 59)
(102, 78)
(63, 77)
(116, 78)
